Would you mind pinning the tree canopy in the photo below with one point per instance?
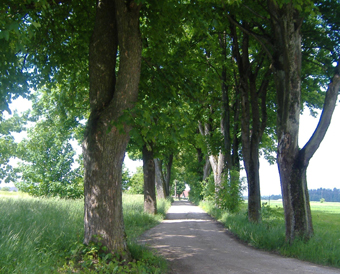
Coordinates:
(197, 87)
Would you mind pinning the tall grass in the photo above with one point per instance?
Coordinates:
(323, 248)
(38, 234)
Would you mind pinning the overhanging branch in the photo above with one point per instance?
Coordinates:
(325, 119)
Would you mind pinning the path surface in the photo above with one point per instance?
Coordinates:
(195, 243)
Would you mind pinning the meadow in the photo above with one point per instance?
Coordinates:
(44, 235)
(323, 248)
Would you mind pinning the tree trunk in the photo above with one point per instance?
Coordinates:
(253, 121)
(216, 162)
(168, 174)
(293, 162)
(206, 168)
(160, 181)
(150, 204)
(104, 146)
(286, 25)
(217, 165)
(203, 161)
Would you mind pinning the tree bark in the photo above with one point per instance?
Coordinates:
(203, 161)
(168, 174)
(160, 181)
(216, 161)
(104, 145)
(293, 162)
(286, 26)
(206, 168)
(217, 165)
(150, 203)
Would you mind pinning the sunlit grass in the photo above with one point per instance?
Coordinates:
(38, 234)
(322, 248)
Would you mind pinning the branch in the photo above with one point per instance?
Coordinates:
(257, 38)
(325, 119)
(255, 13)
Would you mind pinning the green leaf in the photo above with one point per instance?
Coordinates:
(4, 34)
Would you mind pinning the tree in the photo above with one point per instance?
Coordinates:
(46, 164)
(179, 188)
(254, 76)
(136, 182)
(125, 178)
(286, 22)
(7, 145)
(116, 25)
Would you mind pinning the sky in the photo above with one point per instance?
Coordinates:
(322, 170)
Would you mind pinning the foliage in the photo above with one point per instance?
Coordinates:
(329, 195)
(5, 188)
(135, 184)
(180, 187)
(208, 188)
(44, 46)
(229, 194)
(47, 156)
(47, 164)
(8, 146)
(95, 259)
(44, 235)
(125, 178)
(38, 49)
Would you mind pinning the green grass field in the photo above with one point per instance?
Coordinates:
(323, 248)
(40, 235)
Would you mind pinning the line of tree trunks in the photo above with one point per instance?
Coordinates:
(254, 117)
(116, 24)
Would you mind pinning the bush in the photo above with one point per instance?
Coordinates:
(208, 188)
(136, 182)
(229, 194)
(5, 188)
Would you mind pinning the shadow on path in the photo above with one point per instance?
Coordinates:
(195, 243)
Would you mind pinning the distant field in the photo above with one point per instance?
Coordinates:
(325, 215)
(12, 194)
(329, 207)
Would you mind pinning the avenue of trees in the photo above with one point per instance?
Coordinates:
(196, 89)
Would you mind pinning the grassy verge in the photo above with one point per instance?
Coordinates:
(323, 248)
(40, 235)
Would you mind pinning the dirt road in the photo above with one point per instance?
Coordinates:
(195, 243)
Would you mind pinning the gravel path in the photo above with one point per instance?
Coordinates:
(193, 243)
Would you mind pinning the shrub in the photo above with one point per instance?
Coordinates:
(5, 188)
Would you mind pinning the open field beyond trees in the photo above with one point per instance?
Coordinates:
(323, 248)
(44, 235)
